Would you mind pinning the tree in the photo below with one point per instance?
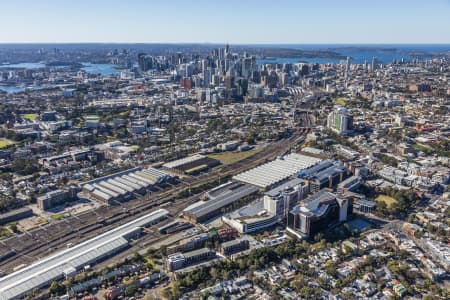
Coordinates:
(175, 289)
(163, 250)
(214, 273)
(137, 257)
(411, 218)
(68, 283)
(225, 274)
(242, 264)
(24, 166)
(165, 293)
(130, 290)
(318, 237)
(13, 227)
(298, 283)
(56, 288)
(381, 207)
(330, 268)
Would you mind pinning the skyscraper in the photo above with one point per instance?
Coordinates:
(374, 64)
(145, 62)
(206, 78)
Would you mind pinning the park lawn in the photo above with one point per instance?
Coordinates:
(5, 143)
(31, 117)
(386, 199)
(228, 158)
(423, 148)
(149, 262)
(57, 217)
(340, 101)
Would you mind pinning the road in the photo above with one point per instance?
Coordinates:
(31, 246)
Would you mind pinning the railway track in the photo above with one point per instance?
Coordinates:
(115, 215)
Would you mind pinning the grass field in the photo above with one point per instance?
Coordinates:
(228, 158)
(340, 101)
(31, 117)
(386, 199)
(423, 148)
(5, 143)
(57, 217)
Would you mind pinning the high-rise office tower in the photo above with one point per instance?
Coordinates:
(374, 64)
(227, 49)
(206, 78)
(145, 62)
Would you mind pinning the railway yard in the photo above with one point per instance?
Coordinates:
(24, 249)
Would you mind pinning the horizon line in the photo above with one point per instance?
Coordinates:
(224, 43)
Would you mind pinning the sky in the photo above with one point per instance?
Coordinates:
(232, 21)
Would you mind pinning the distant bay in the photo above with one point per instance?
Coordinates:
(12, 89)
(24, 65)
(360, 54)
(103, 69)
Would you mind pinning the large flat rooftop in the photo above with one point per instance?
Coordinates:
(228, 195)
(276, 171)
(55, 266)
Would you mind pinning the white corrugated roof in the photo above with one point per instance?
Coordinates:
(277, 170)
(52, 267)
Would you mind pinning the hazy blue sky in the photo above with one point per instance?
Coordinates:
(234, 21)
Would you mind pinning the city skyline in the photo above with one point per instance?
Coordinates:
(236, 150)
(249, 22)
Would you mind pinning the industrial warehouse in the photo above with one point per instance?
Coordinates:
(191, 165)
(124, 185)
(219, 198)
(279, 177)
(275, 205)
(69, 261)
(274, 172)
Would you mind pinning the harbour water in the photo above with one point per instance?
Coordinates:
(17, 89)
(12, 89)
(24, 65)
(102, 69)
(359, 54)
